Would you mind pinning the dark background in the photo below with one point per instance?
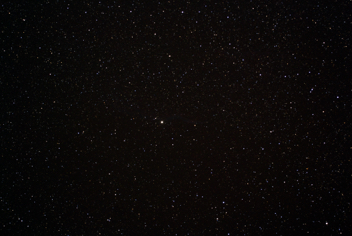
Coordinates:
(267, 87)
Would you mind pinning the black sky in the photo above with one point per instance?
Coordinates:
(255, 100)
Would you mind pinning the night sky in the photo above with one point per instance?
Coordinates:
(176, 118)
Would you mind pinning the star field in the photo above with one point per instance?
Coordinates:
(176, 118)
